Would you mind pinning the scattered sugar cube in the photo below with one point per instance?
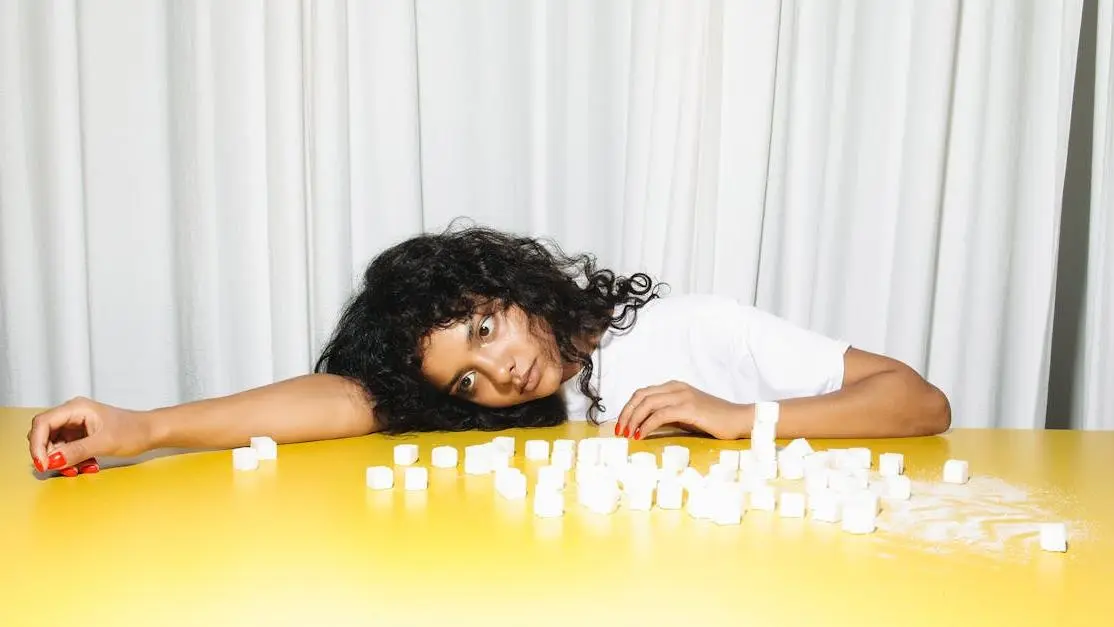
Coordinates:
(511, 484)
(824, 506)
(601, 497)
(444, 457)
(562, 458)
(588, 451)
(766, 412)
(858, 518)
(723, 472)
(792, 505)
(548, 504)
(614, 451)
(729, 458)
(763, 498)
(797, 448)
(537, 450)
(891, 464)
(899, 488)
(750, 483)
(1054, 537)
(415, 478)
(863, 498)
(675, 457)
(956, 471)
(691, 477)
(406, 454)
(644, 459)
(245, 458)
(746, 459)
(640, 497)
(791, 467)
(551, 477)
(727, 512)
(669, 494)
(380, 477)
(700, 502)
(564, 445)
(816, 480)
(498, 457)
(767, 468)
(477, 460)
(265, 447)
(506, 443)
(816, 461)
(763, 433)
(859, 457)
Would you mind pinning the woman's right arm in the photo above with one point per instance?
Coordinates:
(310, 407)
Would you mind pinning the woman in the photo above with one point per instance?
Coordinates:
(478, 329)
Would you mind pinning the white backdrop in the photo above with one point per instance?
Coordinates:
(188, 189)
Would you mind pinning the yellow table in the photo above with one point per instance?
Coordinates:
(186, 540)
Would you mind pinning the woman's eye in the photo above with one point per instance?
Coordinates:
(466, 383)
(487, 327)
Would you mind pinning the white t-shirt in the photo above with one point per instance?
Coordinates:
(715, 344)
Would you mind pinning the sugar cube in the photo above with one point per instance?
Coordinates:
(727, 512)
(245, 458)
(477, 460)
(444, 457)
(722, 472)
(564, 445)
(498, 457)
(265, 447)
(792, 505)
(551, 477)
(511, 484)
(766, 412)
(614, 451)
(506, 443)
(763, 433)
(415, 478)
(675, 457)
(644, 459)
(891, 464)
(729, 458)
(691, 477)
(956, 471)
(640, 497)
(601, 497)
(406, 454)
(767, 468)
(791, 467)
(588, 451)
(763, 498)
(700, 502)
(562, 458)
(859, 457)
(548, 504)
(669, 494)
(863, 498)
(380, 477)
(1054, 537)
(816, 480)
(537, 450)
(746, 459)
(824, 506)
(899, 488)
(858, 518)
(797, 448)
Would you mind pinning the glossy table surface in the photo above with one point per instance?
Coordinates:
(184, 539)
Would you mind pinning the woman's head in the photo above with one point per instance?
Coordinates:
(476, 329)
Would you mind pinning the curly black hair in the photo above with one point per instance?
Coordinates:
(436, 280)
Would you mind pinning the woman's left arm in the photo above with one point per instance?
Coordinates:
(880, 397)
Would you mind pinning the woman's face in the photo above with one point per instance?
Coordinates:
(494, 358)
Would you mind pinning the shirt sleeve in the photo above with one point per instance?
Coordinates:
(791, 361)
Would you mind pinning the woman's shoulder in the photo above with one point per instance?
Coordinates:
(694, 304)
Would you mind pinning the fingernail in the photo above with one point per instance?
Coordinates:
(626, 431)
(69, 472)
(616, 429)
(38, 464)
(638, 433)
(56, 460)
(89, 469)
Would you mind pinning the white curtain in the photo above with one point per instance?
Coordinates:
(189, 189)
(1093, 406)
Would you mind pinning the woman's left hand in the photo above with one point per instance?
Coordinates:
(680, 404)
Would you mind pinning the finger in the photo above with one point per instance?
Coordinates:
(73, 452)
(88, 467)
(43, 427)
(647, 407)
(622, 426)
(68, 472)
(669, 416)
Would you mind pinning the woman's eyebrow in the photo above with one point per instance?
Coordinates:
(470, 328)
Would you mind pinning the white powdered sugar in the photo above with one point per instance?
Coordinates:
(986, 514)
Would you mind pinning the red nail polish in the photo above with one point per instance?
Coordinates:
(616, 429)
(38, 464)
(69, 472)
(89, 469)
(55, 461)
(638, 433)
(626, 431)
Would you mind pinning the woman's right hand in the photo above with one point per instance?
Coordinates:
(69, 437)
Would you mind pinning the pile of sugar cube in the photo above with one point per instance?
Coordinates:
(835, 485)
